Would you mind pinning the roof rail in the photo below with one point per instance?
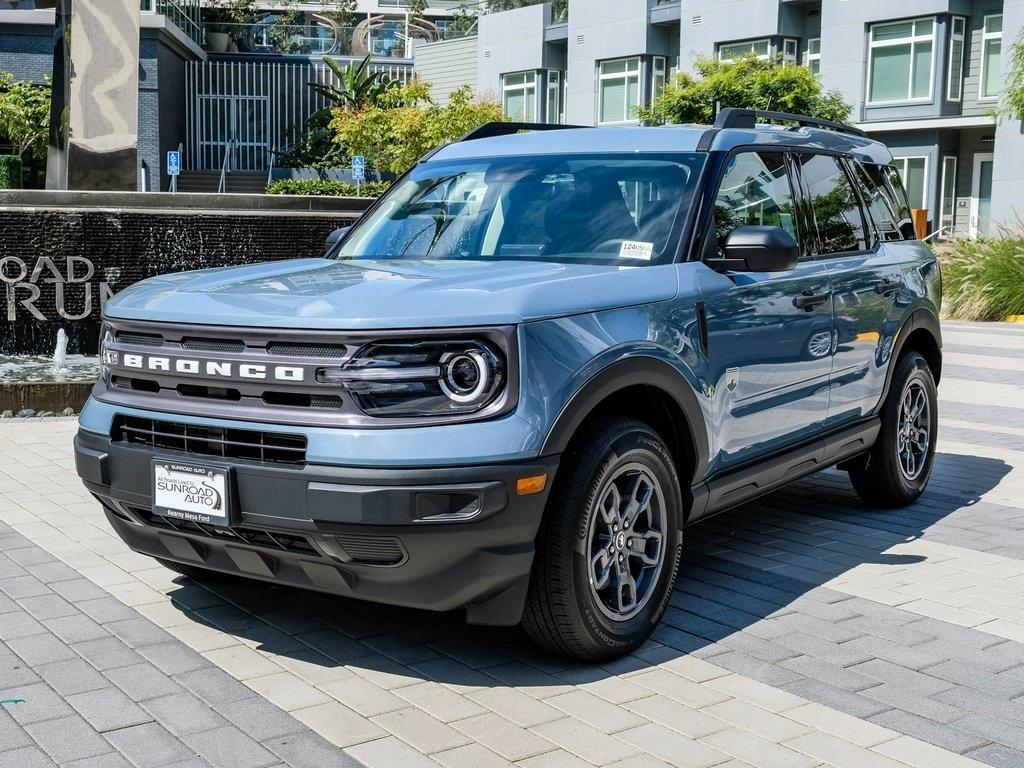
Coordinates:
(490, 130)
(747, 118)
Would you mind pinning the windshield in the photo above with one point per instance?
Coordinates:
(604, 209)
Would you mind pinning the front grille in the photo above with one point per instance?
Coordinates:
(213, 345)
(287, 542)
(142, 339)
(372, 550)
(205, 440)
(290, 349)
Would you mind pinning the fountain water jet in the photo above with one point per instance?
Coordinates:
(60, 354)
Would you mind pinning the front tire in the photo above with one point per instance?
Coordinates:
(608, 549)
(895, 471)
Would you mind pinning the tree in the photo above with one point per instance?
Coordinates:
(749, 83)
(1013, 97)
(25, 116)
(405, 124)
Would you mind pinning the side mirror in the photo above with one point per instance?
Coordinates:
(335, 237)
(758, 249)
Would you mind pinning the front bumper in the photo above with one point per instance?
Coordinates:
(439, 539)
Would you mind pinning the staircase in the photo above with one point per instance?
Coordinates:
(239, 182)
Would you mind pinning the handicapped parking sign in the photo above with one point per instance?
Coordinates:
(173, 163)
(358, 168)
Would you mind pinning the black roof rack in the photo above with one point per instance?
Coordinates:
(490, 130)
(747, 118)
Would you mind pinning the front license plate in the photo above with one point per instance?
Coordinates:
(191, 492)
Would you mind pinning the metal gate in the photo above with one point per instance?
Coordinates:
(253, 109)
(236, 125)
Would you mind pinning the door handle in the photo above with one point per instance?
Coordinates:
(808, 300)
(887, 287)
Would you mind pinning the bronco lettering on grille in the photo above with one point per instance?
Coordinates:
(215, 369)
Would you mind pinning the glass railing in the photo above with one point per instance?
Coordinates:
(384, 41)
(185, 14)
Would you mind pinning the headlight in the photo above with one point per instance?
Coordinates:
(107, 356)
(431, 378)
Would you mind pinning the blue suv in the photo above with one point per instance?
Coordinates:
(513, 383)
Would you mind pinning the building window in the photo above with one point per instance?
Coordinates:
(991, 51)
(519, 96)
(554, 98)
(947, 212)
(901, 61)
(955, 83)
(658, 70)
(814, 55)
(619, 90)
(733, 51)
(790, 51)
(914, 173)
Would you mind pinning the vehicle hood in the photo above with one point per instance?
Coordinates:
(365, 294)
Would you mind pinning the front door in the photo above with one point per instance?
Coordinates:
(981, 195)
(770, 335)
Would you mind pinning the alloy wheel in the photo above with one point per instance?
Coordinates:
(626, 541)
(913, 435)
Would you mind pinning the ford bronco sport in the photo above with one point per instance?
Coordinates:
(511, 385)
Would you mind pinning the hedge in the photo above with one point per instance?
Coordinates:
(326, 188)
(10, 172)
(983, 279)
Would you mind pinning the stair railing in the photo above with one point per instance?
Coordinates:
(223, 185)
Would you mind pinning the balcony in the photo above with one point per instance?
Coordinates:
(380, 37)
(665, 11)
(184, 14)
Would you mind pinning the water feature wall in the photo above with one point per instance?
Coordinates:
(64, 254)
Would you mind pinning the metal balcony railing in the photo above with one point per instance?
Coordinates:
(185, 14)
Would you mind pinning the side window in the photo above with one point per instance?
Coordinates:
(876, 196)
(834, 205)
(755, 190)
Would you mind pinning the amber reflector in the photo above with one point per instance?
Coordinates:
(528, 485)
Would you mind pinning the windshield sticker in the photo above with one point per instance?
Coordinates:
(634, 249)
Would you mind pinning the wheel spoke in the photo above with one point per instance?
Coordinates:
(625, 589)
(601, 568)
(638, 497)
(610, 506)
(646, 546)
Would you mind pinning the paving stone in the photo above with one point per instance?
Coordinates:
(947, 736)
(228, 747)
(67, 738)
(142, 681)
(108, 653)
(673, 747)
(503, 737)
(25, 757)
(108, 709)
(182, 713)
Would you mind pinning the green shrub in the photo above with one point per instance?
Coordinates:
(983, 279)
(10, 172)
(326, 188)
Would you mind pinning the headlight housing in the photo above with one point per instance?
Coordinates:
(423, 378)
(107, 356)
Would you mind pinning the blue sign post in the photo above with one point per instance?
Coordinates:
(174, 168)
(358, 170)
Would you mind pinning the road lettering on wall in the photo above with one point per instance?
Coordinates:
(78, 294)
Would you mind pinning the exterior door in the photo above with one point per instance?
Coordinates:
(869, 289)
(769, 334)
(981, 194)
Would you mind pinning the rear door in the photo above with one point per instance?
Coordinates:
(769, 334)
(866, 276)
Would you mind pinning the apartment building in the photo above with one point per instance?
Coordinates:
(231, 96)
(924, 76)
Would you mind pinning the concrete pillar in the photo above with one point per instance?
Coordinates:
(103, 106)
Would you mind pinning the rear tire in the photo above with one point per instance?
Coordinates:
(193, 572)
(605, 567)
(895, 472)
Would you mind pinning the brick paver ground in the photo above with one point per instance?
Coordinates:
(806, 630)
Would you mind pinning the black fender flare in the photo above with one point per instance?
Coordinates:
(918, 319)
(633, 371)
